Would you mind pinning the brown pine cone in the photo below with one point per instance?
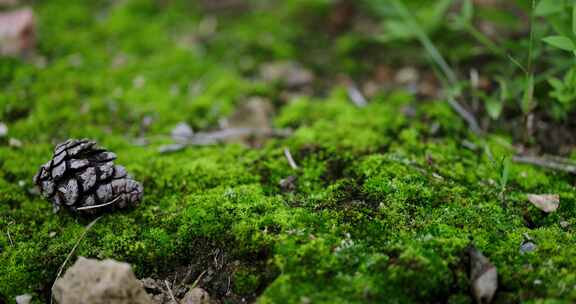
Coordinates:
(83, 178)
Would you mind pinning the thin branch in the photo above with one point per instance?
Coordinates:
(170, 291)
(554, 163)
(467, 116)
(197, 280)
(290, 159)
(99, 206)
(212, 138)
(88, 227)
(356, 96)
(10, 238)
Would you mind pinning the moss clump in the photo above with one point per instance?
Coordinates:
(384, 205)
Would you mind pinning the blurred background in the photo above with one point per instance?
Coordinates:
(509, 64)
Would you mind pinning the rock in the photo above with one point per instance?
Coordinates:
(8, 2)
(197, 296)
(91, 281)
(527, 246)
(290, 74)
(14, 143)
(545, 202)
(17, 32)
(182, 132)
(3, 129)
(24, 299)
(407, 75)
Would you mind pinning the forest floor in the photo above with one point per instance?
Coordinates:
(359, 184)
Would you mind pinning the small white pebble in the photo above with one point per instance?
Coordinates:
(13, 142)
(23, 299)
(3, 129)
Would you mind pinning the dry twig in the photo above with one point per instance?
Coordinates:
(72, 252)
(290, 159)
(356, 96)
(10, 238)
(170, 291)
(197, 280)
(215, 137)
(548, 162)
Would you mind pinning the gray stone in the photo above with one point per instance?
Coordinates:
(91, 281)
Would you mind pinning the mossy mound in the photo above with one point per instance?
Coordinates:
(386, 199)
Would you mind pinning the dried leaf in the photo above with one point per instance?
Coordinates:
(483, 276)
(545, 202)
(17, 32)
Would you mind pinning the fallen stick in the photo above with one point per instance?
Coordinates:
(290, 159)
(553, 162)
(215, 137)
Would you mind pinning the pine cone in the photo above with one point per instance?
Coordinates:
(83, 178)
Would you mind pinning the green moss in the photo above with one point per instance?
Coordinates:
(385, 204)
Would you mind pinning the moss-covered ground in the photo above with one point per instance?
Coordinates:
(386, 199)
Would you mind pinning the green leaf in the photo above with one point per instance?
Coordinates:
(556, 83)
(549, 7)
(504, 92)
(574, 18)
(467, 10)
(561, 42)
(494, 107)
